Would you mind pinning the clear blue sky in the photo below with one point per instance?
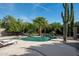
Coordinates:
(28, 11)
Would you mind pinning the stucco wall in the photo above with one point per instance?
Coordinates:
(1, 30)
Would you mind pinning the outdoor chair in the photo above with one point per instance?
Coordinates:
(6, 42)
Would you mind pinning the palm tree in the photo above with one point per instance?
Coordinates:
(40, 23)
(30, 27)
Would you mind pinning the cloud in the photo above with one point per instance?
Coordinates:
(39, 5)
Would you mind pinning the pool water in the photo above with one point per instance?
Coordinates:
(36, 38)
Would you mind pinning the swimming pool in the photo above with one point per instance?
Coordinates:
(36, 38)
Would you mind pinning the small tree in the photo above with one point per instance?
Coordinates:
(57, 27)
(12, 24)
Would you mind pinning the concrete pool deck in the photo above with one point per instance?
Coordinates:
(48, 48)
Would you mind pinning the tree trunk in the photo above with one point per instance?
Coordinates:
(40, 31)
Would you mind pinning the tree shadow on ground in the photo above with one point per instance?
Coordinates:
(75, 45)
(68, 49)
